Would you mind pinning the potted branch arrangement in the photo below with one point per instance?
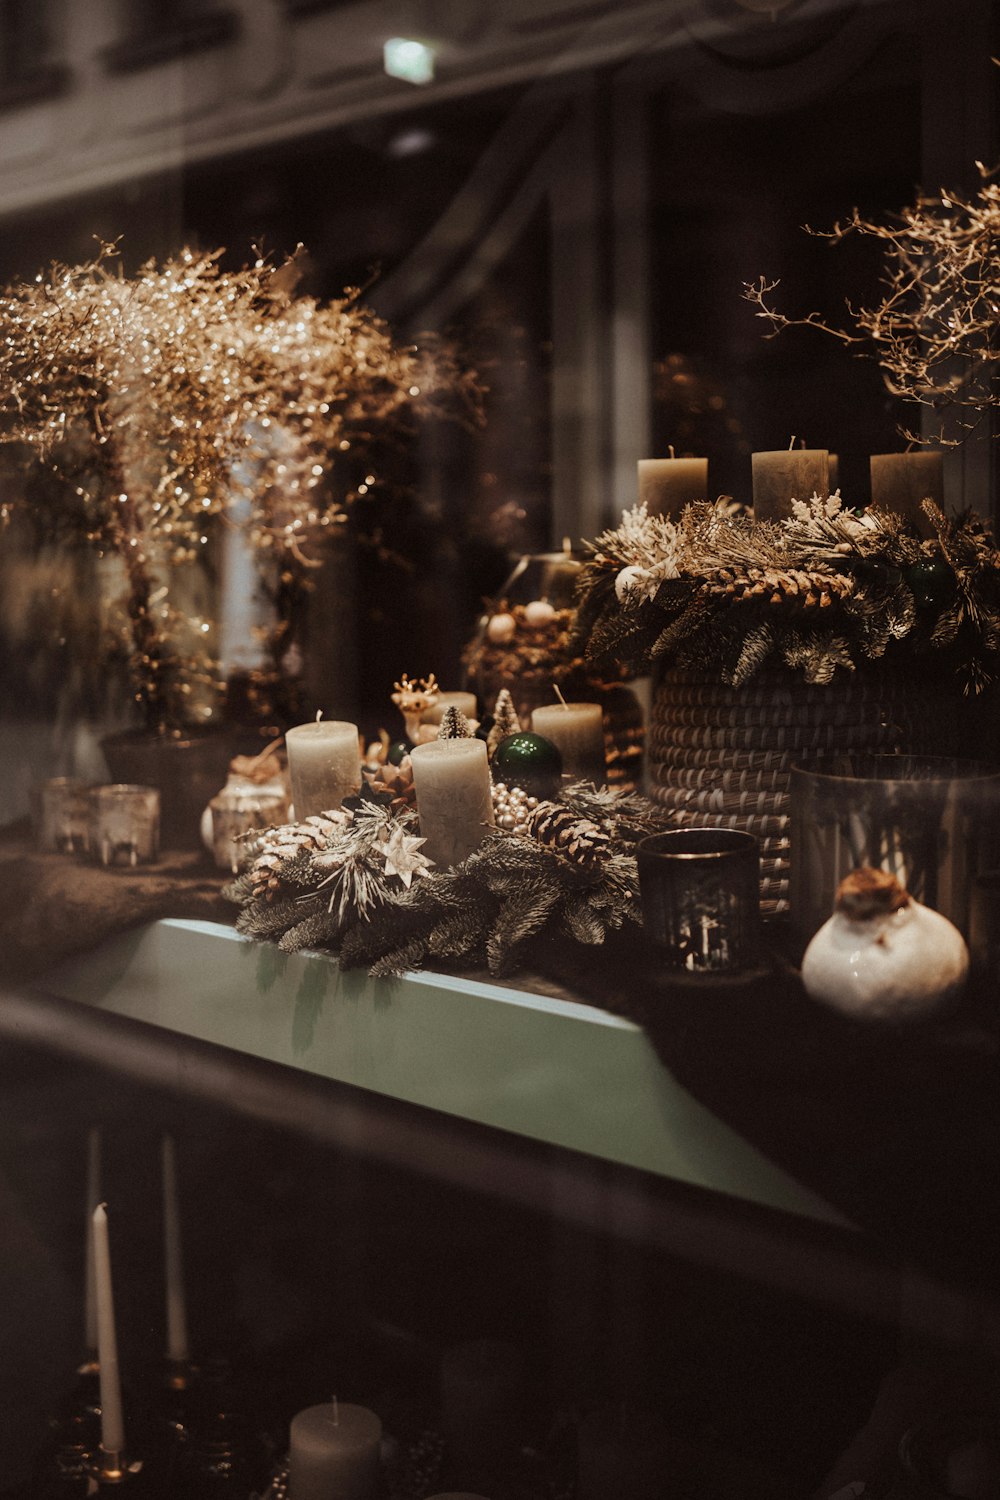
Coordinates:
(829, 630)
(152, 404)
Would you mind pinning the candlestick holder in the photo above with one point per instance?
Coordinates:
(113, 1473)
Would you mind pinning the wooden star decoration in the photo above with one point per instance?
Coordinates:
(402, 856)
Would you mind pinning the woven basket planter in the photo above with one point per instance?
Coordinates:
(721, 757)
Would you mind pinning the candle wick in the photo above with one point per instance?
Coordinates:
(319, 714)
(562, 700)
(336, 1411)
(567, 546)
(791, 444)
(670, 450)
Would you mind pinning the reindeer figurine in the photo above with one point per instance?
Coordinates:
(413, 698)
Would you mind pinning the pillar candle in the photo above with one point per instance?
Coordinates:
(324, 763)
(454, 803)
(621, 1452)
(577, 730)
(666, 485)
(112, 1421)
(833, 472)
(93, 1199)
(334, 1452)
(901, 480)
(786, 475)
(177, 1334)
(466, 702)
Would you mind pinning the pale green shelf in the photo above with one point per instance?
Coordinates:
(550, 1070)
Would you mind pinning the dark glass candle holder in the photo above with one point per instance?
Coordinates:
(700, 898)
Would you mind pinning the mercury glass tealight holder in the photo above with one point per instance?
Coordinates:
(700, 898)
(125, 824)
(64, 808)
(241, 808)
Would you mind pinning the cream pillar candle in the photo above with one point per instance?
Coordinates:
(666, 485)
(901, 480)
(112, 1421)
(334, 1452)
(324, 763)
(786, 475)
(465, 702)
(454, 803)
(93, 1199)
(577, 731)
(177, 1334)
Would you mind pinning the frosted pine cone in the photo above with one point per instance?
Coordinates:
(577, 838)
(278, 846)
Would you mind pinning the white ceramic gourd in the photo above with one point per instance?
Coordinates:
(882, 955)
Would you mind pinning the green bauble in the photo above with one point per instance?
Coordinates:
(932, 582)
(529, 761)
(398, 751)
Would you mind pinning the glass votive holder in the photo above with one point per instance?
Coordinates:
(701, 898)
(63, 815)
(125, 824)
(240, 808)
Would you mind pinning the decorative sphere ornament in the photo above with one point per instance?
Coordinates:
(398, 751)
(529, 761)
(500, 629)
(931, 581)
(629, 581)
(883, 956)
(539, 612)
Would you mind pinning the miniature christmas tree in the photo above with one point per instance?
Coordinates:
(454, 725)
(505, 721)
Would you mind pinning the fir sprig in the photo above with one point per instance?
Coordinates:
(818, 593)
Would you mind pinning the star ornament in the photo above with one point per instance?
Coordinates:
(402, 856)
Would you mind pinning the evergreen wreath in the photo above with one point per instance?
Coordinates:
(819, 592)
(349, 883)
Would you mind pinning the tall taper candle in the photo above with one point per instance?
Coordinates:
(93, 1199)
(112, 1421)
(177, 1331)
(785, 475)
(454, 804)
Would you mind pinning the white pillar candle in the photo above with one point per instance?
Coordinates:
(177, 1333)
(786, 475)
(901, 480)
(324, 763)
(666, 485)
(112, 1421)
(465, 702)
(577, 731)
(93, 1199)
(334, 1452)
(454, 801)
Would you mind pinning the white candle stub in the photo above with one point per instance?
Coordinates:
(324, 764)
(577, 731)
(112, 1421)
(454, 802)
(334, 1452)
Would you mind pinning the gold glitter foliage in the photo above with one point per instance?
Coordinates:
(158, 401)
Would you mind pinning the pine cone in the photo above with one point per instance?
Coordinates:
(396, 780)
(280, 845)
(810, 590)
(580, 840)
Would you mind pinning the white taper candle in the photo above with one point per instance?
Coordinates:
(177, 1331)
(112, 1421)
